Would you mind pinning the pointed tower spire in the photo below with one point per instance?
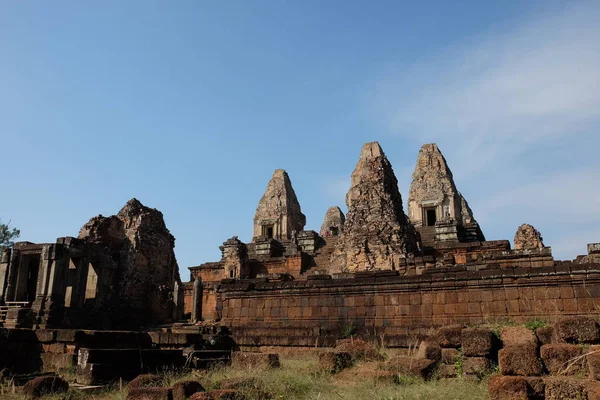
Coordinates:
(433, 196)
(376, 233)
(278, 212)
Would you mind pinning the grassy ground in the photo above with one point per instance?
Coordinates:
(300, 378)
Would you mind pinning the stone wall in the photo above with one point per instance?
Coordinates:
(399, 309)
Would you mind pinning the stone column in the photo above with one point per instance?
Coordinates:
(197, 301)
(13, 266)
(4, 267)
(52, 277)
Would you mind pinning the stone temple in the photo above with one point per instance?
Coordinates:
(110, 301)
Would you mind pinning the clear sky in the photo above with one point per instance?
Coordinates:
(190, 106)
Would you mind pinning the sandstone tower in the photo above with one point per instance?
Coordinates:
(376, 233)
(333, 223)
(433, 200)
(527, 237)
(278, 213)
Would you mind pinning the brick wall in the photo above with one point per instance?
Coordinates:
(400, 309)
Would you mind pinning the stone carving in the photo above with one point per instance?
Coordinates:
(377, 234)
(333, 224)
(278, 212)
(527, 237)
(433, 195)
(141, 248)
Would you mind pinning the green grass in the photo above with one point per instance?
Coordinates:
(300, 378)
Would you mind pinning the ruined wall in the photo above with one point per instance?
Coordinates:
(399, 309)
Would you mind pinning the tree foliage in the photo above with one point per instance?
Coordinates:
(7, 235)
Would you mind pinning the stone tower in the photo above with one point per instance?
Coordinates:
(433, 200)
(376, 233)
(278, 212)
(527, 237)
(333, 224)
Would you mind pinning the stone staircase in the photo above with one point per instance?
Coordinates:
(322, 256)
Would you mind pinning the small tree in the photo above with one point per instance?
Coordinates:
(7, 234)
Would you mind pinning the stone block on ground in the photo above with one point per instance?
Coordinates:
(359, 349)
(593, 362)
(429, 350)
(447, 371)
(450, 356)
(563, 359)
(502, 387)
(476, 366)
(518, 335)
(184, 389)
(45, 385)
(544, 334)
(144, 380)
(477, 342)
(520, 360)
(403, 365)
(149, 393)
(564, 388)
(577, 330)
(335, 362)
(536, 387)
(255, 360)
(450, 336)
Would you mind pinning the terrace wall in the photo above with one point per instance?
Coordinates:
(401, 309)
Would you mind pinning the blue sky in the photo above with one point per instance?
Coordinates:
(191, 105)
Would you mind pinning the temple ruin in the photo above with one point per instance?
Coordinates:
(393, 277)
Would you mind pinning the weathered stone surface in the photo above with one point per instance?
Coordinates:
(476, 366)
(184, 389)
(333, 224)
(450, 336)
(255, 360)
(144, 380)
(518, 335)
(535, 387)
(450, 356)
(429, 350)
(140, 247)
(562, 388)
(234, 259)
(44, 385)
(448, 371)
(433, 187)
(403, 365)
(278, 213)
(563, 359)
(544, 334)
(507, 388)
(335, 362)
(359, 349)
(477, 342)
(376, 234)
(593, 362)
(577, 330)
(519, 359)
(527, 237)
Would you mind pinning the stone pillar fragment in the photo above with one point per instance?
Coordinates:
(197, 301)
